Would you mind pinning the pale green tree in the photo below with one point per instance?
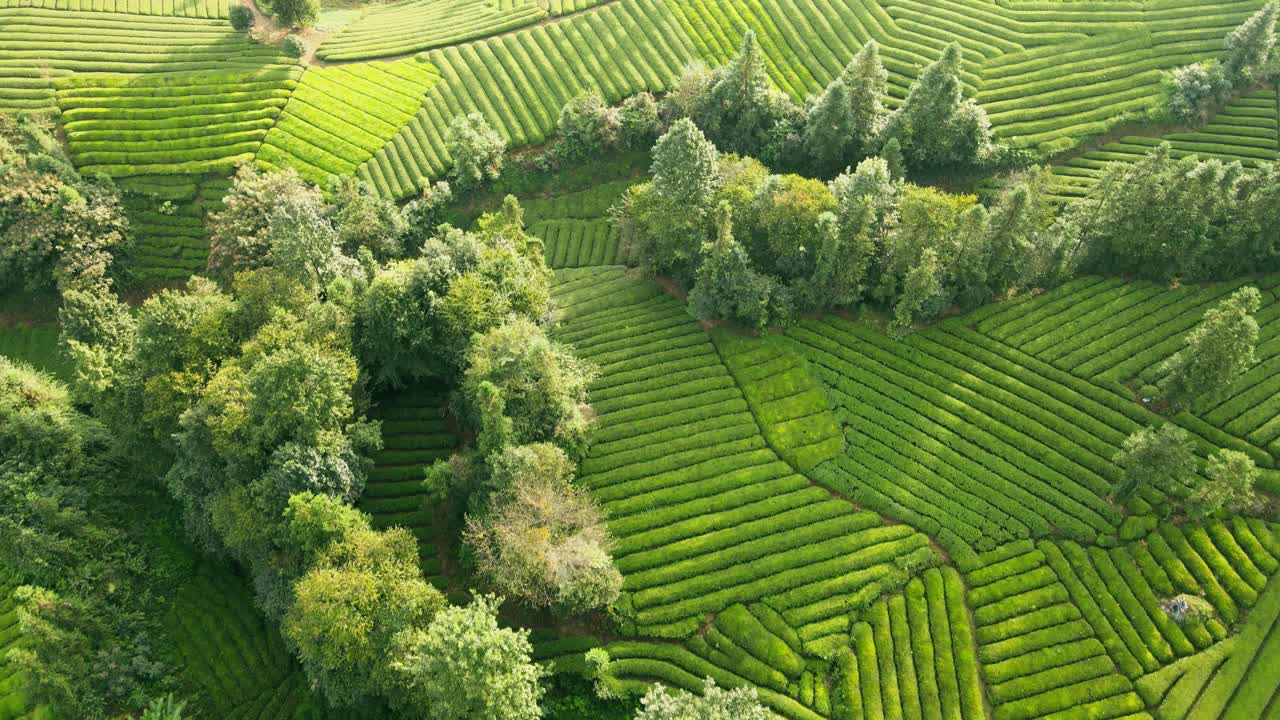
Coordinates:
(1216, 352)
(1228, 482)
(936, 124)
(1249, 46)
(1163, 459)
(867, 82)
(727, 287)
(740, 109)
(463, 666)
(922, 285)
(830, 130)
(540, 538)
(686, 168)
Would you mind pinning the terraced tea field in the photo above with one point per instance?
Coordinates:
(414, 435)
(857, 526)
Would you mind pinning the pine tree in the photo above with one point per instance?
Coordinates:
(1249, 46)
(866, 81)
(740, 110)
(936, 124)
(892, 154)
(727, 286)
(686, 169)
(830, 130)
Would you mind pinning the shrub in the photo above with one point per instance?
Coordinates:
(476, 149)
(293, 46)
(296, 13)
(241, 17)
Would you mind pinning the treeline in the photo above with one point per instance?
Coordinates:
(761, 248)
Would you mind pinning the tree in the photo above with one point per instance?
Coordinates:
(303, 244)
(543, 386)
(741, 106)
(239, 237)
(866, 209)
(867, 82)
(1162, 218)
(685, 168)
(541, 539)
(1249, 46)
(166, 707)
(363, 592)
(241, 17)
(476, 149)
(56, 228)
(363, 219)
(1216, 352)
(1019, 250)
(727, 287)
(920, 289)
(1196, 91)
(830, 129)
(587, 126)
(1228, 482)
(464, 667)
(639, 120)
(936, 125)
(296, 13)
(714, 704)
(1163, 459)
(786, 211)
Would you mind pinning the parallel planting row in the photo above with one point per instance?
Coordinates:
(1112, 332)
(166, 215)
(338, 117)
(1247, 130)
(1120, 590)
(1040, 657)
(414, 435)
(972, 445)
(1233, 680)
(37, 45)
(232, 661)
(13, 700)
(168, 8)
(579, 243)
(410, 26)
(705, 513)
(171, 123)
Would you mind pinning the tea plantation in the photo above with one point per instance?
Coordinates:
(852, 516)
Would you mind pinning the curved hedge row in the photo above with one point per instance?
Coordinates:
(337, 117)
(1039, 657)
(40, 45)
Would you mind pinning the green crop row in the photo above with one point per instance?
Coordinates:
(519, 82)
(169, 8)
(406, 27)
(579, 243)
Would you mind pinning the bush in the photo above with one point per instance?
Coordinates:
(296, 13)
(476, 149)
(241, 17)
(293, 46)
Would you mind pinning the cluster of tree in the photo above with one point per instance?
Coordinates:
(1217, 351)
(1195, 91)
(740, 110)
(253, 390)
(1164, 218)
(759, 248)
